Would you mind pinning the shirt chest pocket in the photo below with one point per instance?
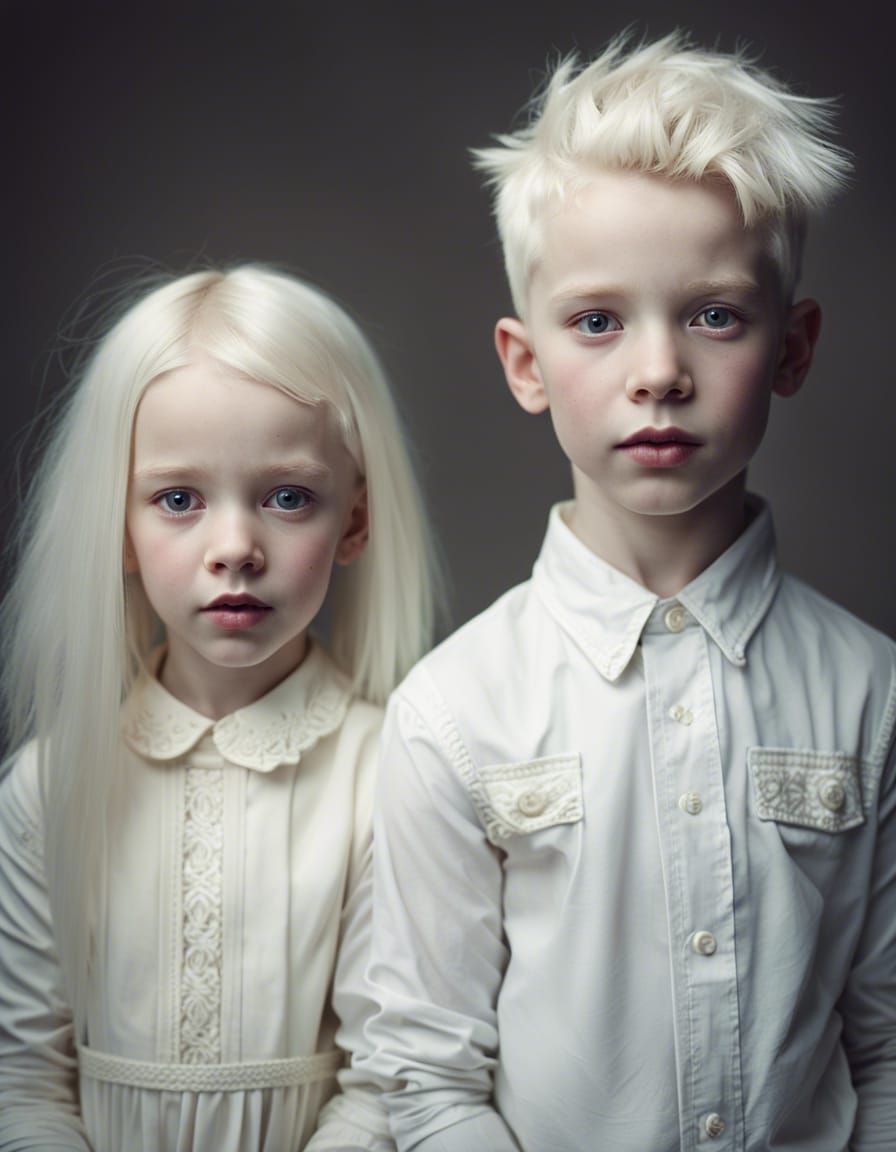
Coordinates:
(801, 788)
(530, 795)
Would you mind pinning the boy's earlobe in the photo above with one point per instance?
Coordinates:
(517, 356)
(357, 531)
(797, 347)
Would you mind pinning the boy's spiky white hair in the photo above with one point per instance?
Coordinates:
(672, 109)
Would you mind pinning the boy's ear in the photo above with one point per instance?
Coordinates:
(357, 528)
(797, 347)
(517, 358)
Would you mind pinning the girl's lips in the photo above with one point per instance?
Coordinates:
(233, 617)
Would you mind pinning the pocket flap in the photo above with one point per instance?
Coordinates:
(810, 789)
(532, 794)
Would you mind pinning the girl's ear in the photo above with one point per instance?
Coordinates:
(797, 347)
(130, 556)
(357, 528)
(517, 356)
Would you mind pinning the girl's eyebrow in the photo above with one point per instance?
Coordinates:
(306, 469)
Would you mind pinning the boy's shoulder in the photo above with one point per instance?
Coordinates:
(818, 627)
(495, 639)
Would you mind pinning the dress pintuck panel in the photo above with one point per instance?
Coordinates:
(229, 881)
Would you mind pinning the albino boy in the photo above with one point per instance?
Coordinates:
(636, 874)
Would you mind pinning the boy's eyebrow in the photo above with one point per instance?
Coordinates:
(743, 286)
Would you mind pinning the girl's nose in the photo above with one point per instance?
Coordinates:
(233, 545)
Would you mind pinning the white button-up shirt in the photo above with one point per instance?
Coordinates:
(636, 870)
(238, 863)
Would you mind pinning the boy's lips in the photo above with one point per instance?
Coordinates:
(659, 447)
(670, 435)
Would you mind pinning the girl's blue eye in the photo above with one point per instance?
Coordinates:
(596, 323)
(289, 499)
(716, 317)
(178, 500)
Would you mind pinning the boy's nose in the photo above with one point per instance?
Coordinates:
(658, 373)
(233, 546)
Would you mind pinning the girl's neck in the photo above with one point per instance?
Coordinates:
(216, 691)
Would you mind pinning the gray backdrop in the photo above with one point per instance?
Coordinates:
(333, 138)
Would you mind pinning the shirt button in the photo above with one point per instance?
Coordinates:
(675, 618)
(691, 803)
(532, 803)
(713, 1125)
(704, 943)
(832, 794)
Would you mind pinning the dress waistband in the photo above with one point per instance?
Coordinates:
(209, 1077)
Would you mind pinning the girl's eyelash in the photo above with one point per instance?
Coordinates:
(162, 498)
(304, 498)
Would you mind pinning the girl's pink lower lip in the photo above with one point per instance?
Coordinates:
(653, 454)
(234, 619)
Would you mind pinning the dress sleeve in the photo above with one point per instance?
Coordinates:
(355, 1119)
(439, 952)
(868, 1005)
(38, 1067)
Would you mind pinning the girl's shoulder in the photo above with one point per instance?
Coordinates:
(21, 809)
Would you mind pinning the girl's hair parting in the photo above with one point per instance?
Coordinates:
(673, 109)
(76, 630)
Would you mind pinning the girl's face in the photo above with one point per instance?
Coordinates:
(240, 501)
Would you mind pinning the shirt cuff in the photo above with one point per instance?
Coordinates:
(485, 1132)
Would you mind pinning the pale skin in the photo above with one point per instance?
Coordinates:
(241, 500)
(655, 334)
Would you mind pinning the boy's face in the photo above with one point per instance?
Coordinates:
(655, 335)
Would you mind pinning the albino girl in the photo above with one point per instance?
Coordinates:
(185, 822)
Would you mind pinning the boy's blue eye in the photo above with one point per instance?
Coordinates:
(178, 500)
(289, 499)
(596, 323)
(716, 317)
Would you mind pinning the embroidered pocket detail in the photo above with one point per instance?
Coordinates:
(810, 789)
(524, 797)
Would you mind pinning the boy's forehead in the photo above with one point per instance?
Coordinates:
(613, 228)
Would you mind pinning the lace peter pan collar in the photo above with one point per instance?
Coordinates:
(275, 730)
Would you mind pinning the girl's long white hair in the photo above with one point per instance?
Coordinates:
(76, 631)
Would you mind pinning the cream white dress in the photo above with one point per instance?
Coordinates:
(238, 869)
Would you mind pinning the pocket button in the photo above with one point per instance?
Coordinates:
(832, 794)
(532, 803)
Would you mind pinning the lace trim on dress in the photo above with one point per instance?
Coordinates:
(281, 739)
(242, 1077)
(203, 940)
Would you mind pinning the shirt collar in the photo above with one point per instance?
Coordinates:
(277, 729)
(604, 611)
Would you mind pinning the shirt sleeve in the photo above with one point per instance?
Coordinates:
(355, 1119)
(38, 1066)
(439, 952)
(868, 1005)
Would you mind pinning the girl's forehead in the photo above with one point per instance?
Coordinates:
(204, 414)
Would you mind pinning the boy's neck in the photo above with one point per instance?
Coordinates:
(663, 553)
